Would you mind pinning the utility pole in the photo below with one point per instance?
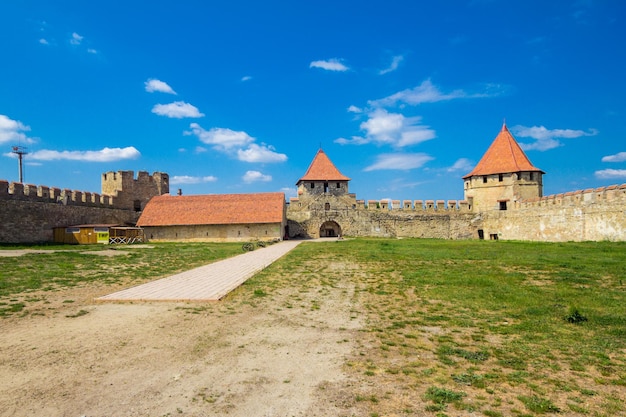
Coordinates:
(20, 151)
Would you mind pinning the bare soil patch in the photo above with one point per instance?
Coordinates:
(74, 357)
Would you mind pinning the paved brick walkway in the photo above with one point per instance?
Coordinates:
(209, 282)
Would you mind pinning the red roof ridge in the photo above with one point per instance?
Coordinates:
(168, 210)
(504, 155)
(322, 169)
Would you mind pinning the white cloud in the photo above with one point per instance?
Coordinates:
(186, 179)
(153, 85)
(246, 78)
(462, 164)
(427, 92)
(13, 131)
(263, 153)
(392, 129)
(355, 109)
(333, 64)
(76, 39)
(221, 138)
(355, 140)
(399, 161)
(103, 155)
(177, 110)
(395, 62)
(256, 176)
(92, 51)
(611, 173)
(44, 41)
(547, 138)
(236, 143)
(618, 157)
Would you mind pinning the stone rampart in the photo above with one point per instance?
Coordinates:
(16, 191)
(381, 218)
(584, 215)
(29, 221)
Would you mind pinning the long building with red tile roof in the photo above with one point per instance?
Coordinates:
(215, 217)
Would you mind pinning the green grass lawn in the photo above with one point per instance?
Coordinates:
(68, 266)
(446, 327)
(496, 328)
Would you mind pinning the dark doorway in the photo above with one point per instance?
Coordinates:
(330, 229)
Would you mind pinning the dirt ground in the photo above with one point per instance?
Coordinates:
(241, 356)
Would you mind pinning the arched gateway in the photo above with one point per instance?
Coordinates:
(330, 229)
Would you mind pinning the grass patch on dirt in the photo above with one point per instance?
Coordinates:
(70, 266)
(435, 327)
(456, 327)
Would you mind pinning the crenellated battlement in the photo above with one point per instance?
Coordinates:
(45, 194)
(612, 193)
(416, 205)
(120, 190)
(404, 205)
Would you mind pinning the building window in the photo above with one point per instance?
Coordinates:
(325, 187)
(502, 205)
(500, 177)
(484, 179)
(338, 185)
(137, 205)
(327, 206)
(493, 236)
(481, 234)
(312, 185)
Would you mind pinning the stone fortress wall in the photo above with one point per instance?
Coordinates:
(592, 214)
(494, 208)
(28, 213)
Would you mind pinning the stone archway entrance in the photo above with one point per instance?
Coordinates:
(330, 229)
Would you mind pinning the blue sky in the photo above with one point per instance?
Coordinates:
(238, 96)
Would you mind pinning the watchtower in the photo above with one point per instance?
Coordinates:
(133, 194)
(322, 177)
(503, 175)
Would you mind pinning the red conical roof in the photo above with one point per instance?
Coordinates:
(322, 169)
(503, 156)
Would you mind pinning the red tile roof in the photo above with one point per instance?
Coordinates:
(503, 156)
(168, 210)
(322, 169)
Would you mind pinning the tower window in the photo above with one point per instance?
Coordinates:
(312, 185)
(484, 179)
(500, 177)
(338, 185)
(327, 206)
(325, 187)
(502, 205)
(531, 176)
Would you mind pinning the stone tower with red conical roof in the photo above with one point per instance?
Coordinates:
(324, 206)
(503, 175)
(322, 177)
